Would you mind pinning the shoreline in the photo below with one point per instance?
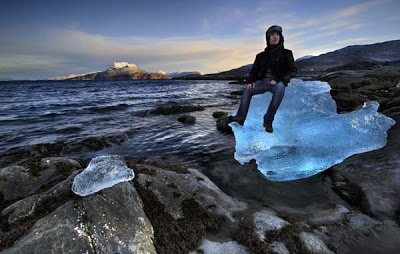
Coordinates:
(353, 190)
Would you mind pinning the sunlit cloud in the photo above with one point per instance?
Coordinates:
(352, 40)
(149, 53)
(356, 9)
(354, 26)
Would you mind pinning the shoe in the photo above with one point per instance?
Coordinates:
(268, 127)
(236, 119)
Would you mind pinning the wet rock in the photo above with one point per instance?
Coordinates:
(19, 181)
(238, 92)
(351, 89)
(28, 152)
(169, 108)
(347, 101)
(313, 244)
(15, 182)
(222, 124)
(191, 185)
(364, 235)
(336, 74)
(360, 221)
(110, 221)
(218, 114)
(187, 119)
(330, 216)
(61, 148)
(175, 108)
(267, 220)
(118, 222)
(392, 111)
(393, 102)
(117, 138)
(57, 232)
(85, 145)
(183, 205)
(33, 206)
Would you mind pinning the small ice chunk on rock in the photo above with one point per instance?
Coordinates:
(102, 172)
(231, 247)
(279, 248)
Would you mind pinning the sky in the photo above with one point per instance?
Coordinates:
(42, 39)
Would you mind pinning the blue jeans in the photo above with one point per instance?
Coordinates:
(260, 87)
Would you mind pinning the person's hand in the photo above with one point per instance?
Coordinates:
(249, 86)
(273, 82)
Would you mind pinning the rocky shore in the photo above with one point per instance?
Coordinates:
(172, 208)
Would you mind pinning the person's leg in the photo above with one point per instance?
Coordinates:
(260, 87)
(278, 92)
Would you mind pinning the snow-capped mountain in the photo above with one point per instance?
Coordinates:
(118, 71)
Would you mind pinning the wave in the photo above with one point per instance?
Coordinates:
(68, 130)
(120, 106)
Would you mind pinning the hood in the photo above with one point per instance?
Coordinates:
(273, 48)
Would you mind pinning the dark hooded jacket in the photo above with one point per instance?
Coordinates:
(279, 59)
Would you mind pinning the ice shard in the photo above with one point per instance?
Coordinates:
(102, 172)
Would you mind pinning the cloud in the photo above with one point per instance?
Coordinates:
(331, 20)
(352, 40)
(78, 52)
(354, 26)
(304, 32)
(355, 9)
(66, 50)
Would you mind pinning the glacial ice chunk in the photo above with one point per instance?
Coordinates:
(309, 135)
(211, 247)
(102, 172)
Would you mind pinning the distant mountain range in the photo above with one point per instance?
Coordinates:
(347, 57)
(373, 53)
(304, 57)
(361, 56)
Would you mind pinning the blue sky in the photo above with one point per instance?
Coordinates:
(41, 39)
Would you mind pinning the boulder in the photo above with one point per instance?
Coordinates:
(182, 203)
(172, 188)
(19, 181)
(218, 114)
(312, 244)
(110, 221)
(187, 119)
